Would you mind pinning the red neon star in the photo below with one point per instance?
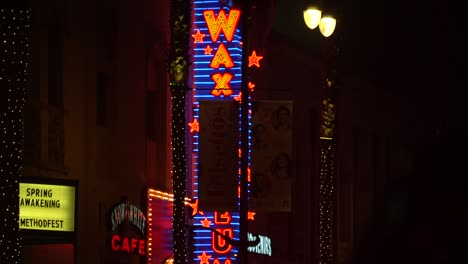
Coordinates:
(198, 37)
(204, 259)
(254, 59)
(205, 222)
(208, 50)
(251, 215)
(251, 86)
(194, 207)
(238, 98)
(194, 126)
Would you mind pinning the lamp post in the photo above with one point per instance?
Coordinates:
(325, 19)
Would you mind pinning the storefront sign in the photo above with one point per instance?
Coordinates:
(47, 207)
(263, 247)
(128, 225)
(129, 245)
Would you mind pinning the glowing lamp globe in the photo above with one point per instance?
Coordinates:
(312, 17)
(327, 25)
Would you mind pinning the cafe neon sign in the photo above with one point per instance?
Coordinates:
(126, 214)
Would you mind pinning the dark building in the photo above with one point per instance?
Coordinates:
(98, 112)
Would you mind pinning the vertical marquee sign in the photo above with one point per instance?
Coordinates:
(217, 75)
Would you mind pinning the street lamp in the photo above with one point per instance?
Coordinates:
(326, 22)
(314, 16)
(327, 25)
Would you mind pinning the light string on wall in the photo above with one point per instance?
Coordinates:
(179, 62)
(15, 39)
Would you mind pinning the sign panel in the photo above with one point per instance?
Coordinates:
(271, 156)
(219, 152)
(47, 207)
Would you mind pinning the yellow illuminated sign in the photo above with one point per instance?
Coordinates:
(47, 207)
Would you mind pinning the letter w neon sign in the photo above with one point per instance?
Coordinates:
(221, 23)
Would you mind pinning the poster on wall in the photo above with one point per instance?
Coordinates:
(218, 156)
(271, 156)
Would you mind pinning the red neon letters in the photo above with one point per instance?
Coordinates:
(129, 245)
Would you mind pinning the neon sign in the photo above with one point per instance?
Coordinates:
(217, 63)
(129, 245)
(128, 224)
(263, 247)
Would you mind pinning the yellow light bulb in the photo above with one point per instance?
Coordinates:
(312, 17)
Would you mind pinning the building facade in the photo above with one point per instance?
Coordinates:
(98, 112)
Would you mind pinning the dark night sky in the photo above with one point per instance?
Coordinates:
(411, 49)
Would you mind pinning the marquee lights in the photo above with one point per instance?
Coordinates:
(165, 196)
(222, 222)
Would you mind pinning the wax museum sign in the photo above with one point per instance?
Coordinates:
(47, 207)
(128, 229)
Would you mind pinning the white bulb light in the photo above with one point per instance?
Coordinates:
(312, 17)
(327, 25)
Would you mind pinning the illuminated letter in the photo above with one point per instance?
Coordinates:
(222, 84)
(219, 244)
(134, 244)
(221, 57)
(215, 25)
(125, 245)
(224, 218)
(114, 242)
(141, 248)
